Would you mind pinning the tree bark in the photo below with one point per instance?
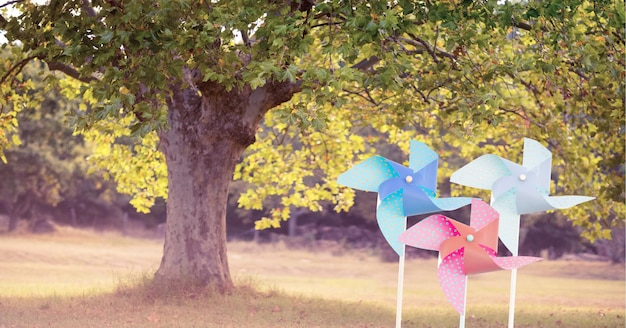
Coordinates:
(206, 137)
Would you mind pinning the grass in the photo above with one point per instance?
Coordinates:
(81, 279)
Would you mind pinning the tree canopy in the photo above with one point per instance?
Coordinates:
(308, 87)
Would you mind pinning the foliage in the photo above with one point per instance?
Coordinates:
(44, 166)
(466, 77)
(513, 82)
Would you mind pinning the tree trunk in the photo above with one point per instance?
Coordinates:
(22, 205)
(204, 142)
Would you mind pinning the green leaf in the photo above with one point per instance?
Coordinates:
(107, 36)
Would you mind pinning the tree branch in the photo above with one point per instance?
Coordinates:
(416, 89)
(10, 3)
(524, 117)
(367, 98)
(422, 43)
(366, 64)
(523, 25)
(325, 24)
(579, 73)
(433, 51)
(618, 36)
(528, 85)
(17, 68)
(69, 71)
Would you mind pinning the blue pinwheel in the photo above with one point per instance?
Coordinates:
(516, 189)
(402, 191)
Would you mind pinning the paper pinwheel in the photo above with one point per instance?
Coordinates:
(402, 191)
(464, 250)
(516, 189)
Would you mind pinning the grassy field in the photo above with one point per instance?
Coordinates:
(82, 279)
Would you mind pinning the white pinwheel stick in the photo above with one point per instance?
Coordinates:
(392, 213)
(516, 190)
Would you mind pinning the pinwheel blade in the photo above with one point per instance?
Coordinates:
(429, 174)
(482, 214)
(368, 175)
(481, 173)
(561, 202)
(417, 202)
(508, 230)
(532, 202)
(451, 203)
(514, 262)
(391, 219)
(452, 280)
(535, 154)
(429, 233)
(478, 260)
(538, 159)
(420, 156)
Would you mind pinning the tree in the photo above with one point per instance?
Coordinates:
(48, 167)
(45, 158)
(469, 76)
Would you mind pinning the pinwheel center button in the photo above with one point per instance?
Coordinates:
(408, 179)
(470, 238)
(522, 177)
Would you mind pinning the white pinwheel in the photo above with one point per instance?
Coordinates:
(516, 189)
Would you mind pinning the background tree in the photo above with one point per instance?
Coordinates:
(42, 165)
(49, 165)
(468, 77)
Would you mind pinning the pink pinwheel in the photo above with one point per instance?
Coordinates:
(464, 250)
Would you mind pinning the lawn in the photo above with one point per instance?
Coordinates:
(82, 279)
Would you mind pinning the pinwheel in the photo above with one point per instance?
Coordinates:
(463, 250)
(516, 190)
(402, 191)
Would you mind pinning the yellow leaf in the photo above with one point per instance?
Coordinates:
(16, 140)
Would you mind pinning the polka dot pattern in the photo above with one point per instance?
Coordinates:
(535, 153)
(438, 229)
(508, 229)
(481, 173)
(391, 219)
(543, 174)
(429, 233)
(368, 175)
(482, 214)
(541, 191)
(516, 189)
(506, 203)
(421, 155)
(489, 251)
(510, 262)
(451, 203)
(514, 262)
(452, 279)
